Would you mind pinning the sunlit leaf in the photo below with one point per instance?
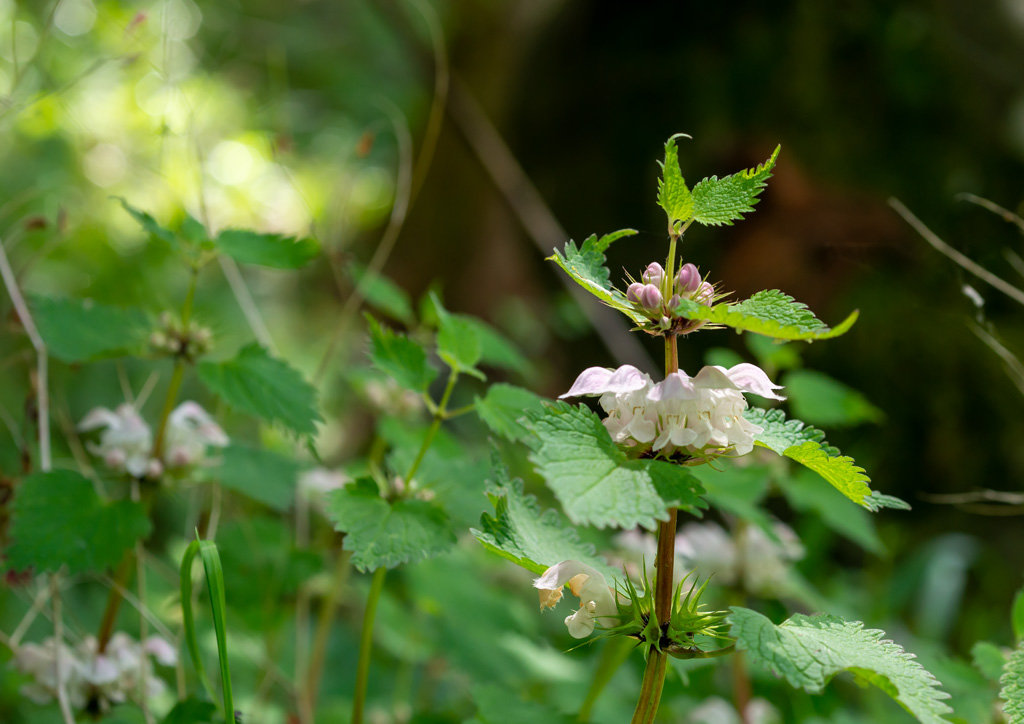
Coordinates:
(717, 201)
(272, 250)
(771, 313)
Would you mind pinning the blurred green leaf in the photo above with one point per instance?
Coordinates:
(382, 533)
(821, 400)
(718, 201)
(458, 344)
(673, 195)
(495, 705)
(58, 520)
(191, 711)
(595, 481)
(150, 225)
(809, 650)
(77, 330)
(989, 659)
(383, 294)
(520, 532)
(1012, 682)
(495, 350)
(1017, 615)
(769, 312)
(272, 250)
(401, 358)
(805, 493)
(263, 475)
(504, 406)
(261, 385)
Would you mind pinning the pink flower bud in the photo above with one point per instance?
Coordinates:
(688, 279)
(650, 297)
(674, 301)
(653, 274)
(705, 293)
(633, 292)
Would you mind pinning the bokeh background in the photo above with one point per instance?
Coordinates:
(508, 127)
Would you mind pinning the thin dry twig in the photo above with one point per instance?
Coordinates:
(995, 208)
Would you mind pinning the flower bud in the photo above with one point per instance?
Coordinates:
(688, 279)
(653, 274)
(633, 292)
(705, 293)
(650, 297)
(674, 301)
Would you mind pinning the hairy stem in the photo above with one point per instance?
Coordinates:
(650, 688)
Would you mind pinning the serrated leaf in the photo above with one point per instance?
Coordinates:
(809, 650)
(263, 475)
(596, 483)
(495, 349)
(58, 520)
(806, 445)
(521, 532)
(989, 659)
(1017, 615)
(721, 201)
(386, 534)
(383, 294)
(401, 358)
(586, 266)
(150, 225)
(1012, 682)
(269, 388)
(769, 312)
(503, 408)
(77, 330)
(272, 250)
(821, 400)
(673, 195)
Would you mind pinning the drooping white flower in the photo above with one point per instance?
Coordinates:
(190, 430)
(126, 441)
(597, 602)
(696, 414)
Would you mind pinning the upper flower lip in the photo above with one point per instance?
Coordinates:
(745, 377)
(599, 380)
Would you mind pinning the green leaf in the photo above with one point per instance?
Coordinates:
(150, 225)
(673, 195)
(769, 312)
(806, 446)
(381, 533)
(58, 520)
(458, 344)
(191, 711)
(261, 385)
(263, 475)
(809, 650)
(821, 400)
(273, 250)
(504, 406)
(520, 532)
(989, 659)
(77, 330)
(496, 705)
(1017, 615)
(495, 349)
(1012, 682)
(401, 358)
(383, 294)
(805, 493)
(586, 266)
(718, 201)
(595, 481)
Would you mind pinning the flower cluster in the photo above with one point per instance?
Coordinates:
(656, 297)
(91, 679)
(175, 339)
(597, 600)
(700, 415)
(126, 443)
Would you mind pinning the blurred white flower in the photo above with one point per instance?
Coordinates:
(716, 710)
(91, 678)
(597, 601)
(126, 441)
(391, 398)
(316, 482)
(190, 430)
(700, 415)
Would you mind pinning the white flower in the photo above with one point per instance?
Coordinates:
(698, 414)
(126, 442)
(597, 602)
(190, 430)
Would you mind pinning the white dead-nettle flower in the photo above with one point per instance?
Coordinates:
(716, 710)
(597, 601)
(90, 678)
(190, 430)
(699, 415)
(126, 441)
(759, 563)
(317, 482)
(390, 397)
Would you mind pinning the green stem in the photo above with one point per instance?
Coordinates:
(366, 644)
(614, 654)
(435, 425)
(650, 688)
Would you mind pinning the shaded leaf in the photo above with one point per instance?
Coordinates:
(58, 520)
(264, 386)
(503, 407)
(263, 475)
(77, 330)
(381, 533)
(401, 358)
(383, 294)
(809, 650)
(595, 481)
(821, 400)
